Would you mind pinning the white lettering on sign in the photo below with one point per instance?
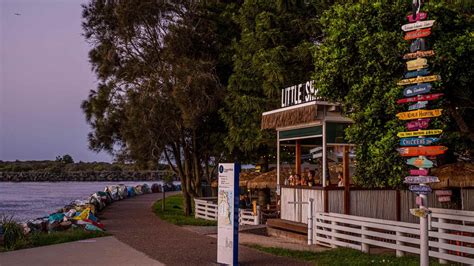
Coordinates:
(298, 94)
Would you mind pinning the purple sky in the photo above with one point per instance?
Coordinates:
(44, 77)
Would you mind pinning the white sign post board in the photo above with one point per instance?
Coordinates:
(228, 214)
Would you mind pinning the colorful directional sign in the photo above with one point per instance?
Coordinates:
(418, 63)
(418, 25)
(418, 53)
(420, 189)
(417, 34)
(417, 141)
(419, 16)
(417, 89)
(419, 171)
(420, 162)
(421, 72)
(418, 105)
(418, 45)
(419, 114)
(420, 212)
(419, 133)
(419, 80)
(418, 124)
(444, 199)
(420, 179)
(424, 150)
(428, 97)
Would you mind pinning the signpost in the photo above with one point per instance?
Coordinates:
(417, 64)
(421, 72)
(418, 25)
(417, 141)
(427, 97)
(419, 133)
(418, 53)
(420, 162)
(419, 171)
(418, 124)
(418, 105)
(418, 16)
(228, 214)
(417, 89)
(419, 80)
(423, 150)
(419, 114)
(420, 189)
(417, 34)
(418, 45)
(420, 212)
(420, 179)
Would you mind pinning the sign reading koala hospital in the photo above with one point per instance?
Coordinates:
(228, 214)
(297, 94)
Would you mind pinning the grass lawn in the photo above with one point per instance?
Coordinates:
(44, 239)
(174, 212)
(342, 256)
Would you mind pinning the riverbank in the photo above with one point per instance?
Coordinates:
(83, 176)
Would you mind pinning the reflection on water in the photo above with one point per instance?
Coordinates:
(29, 200)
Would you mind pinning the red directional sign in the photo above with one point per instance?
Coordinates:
(426, 97)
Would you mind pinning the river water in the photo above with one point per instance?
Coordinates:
(28, 200)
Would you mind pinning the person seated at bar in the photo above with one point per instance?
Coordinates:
(341, 179)
(291, 180)
(311, 179)
(304, 181)
(297, 180)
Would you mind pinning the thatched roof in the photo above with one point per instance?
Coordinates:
(454, 175)
(265, 180)
(289, 116)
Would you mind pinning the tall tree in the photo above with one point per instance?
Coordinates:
(273, 52)
(161, 83)
(359, 63)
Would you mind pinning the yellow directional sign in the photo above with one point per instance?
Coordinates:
(419, 114)
(419, 133)
(417, 64)
(419, 80)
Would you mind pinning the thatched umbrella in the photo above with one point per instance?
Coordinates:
(454, 175)
(265, 180)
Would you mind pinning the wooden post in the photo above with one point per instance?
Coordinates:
(441, 240)
(298, 157)
(326, 199)
(345, 175)
(399, 253)
(163, 200)
(398, 206)
(364, 246)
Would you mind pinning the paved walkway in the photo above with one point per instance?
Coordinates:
(132, 222)
(98, 251)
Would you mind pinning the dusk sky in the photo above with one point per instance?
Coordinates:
(44, 77)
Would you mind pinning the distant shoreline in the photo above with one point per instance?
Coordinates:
(85, 176)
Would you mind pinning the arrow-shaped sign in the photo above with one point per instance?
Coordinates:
(428, 97)
(420, 212)
(420, 162)
(417, 34)
(316, 150)
(417, 89)
(419, 114)
(418, 25)
(418, 45)
(418, 105)
(419, 133)
(419, 171)
(418, 80)
(424, 150)
(421, 179)
(418, 16)
(418, 53)
(420, 189)
(421, 72)
(417, 141)
(418, 124)
(417, 64)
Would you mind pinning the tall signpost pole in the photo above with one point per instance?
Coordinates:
(414, 142)
(228, 214)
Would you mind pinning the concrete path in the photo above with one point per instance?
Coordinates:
(133, 223)
(98, 251)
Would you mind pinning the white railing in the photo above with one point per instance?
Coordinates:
(206, 208)
(451, 234)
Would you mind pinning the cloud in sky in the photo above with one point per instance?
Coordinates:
(44, 77)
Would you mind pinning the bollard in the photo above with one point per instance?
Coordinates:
(310, 221)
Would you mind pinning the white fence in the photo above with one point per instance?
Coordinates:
(451, 234)
(206, 208)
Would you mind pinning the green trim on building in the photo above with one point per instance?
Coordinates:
(335, 132)
(301, 132)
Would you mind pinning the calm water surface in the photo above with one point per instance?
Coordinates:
(28, 200)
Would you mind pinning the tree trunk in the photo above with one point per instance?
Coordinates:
(187, 204)
(196, 168)
(462, 125)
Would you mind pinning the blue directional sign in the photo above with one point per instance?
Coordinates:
(413, 74)
(418, 45)
(420, 189)
(417, 89)
(417, 141)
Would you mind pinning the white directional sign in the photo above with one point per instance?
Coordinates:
(228, 214)
(315, 150)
